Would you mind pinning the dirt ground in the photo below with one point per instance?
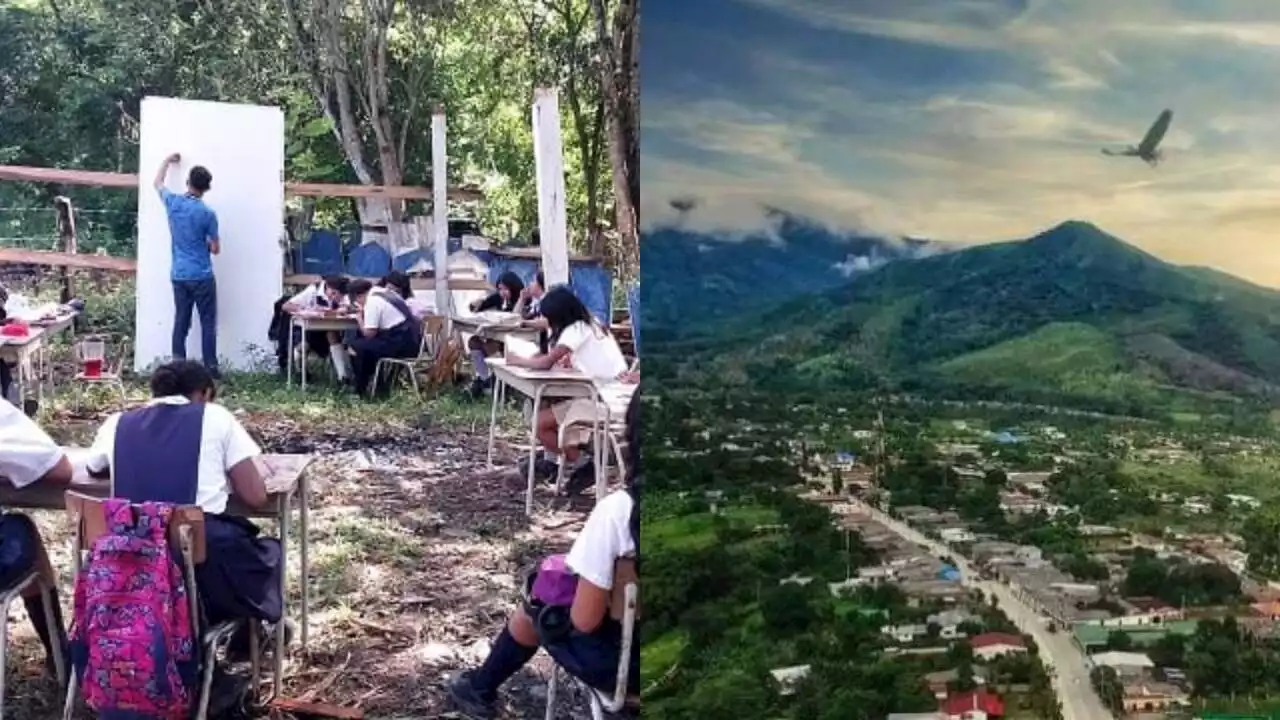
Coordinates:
(416, 553)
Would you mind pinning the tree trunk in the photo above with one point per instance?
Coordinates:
(618, 35)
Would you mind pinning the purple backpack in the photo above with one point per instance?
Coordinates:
(555, 584)
(131, 636)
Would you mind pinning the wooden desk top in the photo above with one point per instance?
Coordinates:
(281, 474)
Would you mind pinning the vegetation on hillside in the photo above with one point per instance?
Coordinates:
(1072, 317)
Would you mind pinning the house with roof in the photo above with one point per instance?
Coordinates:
(980, 704)
(938, 682)
(905, 634)
(1126, 664)
(949, 622)
(1149, 696)
(788, 678)
(991, 645)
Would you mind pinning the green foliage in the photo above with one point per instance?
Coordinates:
(76, 71)
(1071, 318)
(1180, 583)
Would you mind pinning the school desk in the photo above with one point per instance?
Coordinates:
(311, 321)
(286, 479)
(22, 351)
(539, 385)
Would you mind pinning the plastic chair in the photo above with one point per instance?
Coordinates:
(42, 577)
(625, 609)
(428, 352)
(111, 375)
(186, 529)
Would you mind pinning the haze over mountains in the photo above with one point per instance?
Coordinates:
(1071, 312)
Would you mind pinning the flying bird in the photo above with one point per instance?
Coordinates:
(1149, 148)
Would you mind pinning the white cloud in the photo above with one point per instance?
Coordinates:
(984, 162)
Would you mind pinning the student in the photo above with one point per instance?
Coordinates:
(328, 294)
(193, 230)
(388, 327)
(578, 340)
(183, 448)
(531, 298)
(591, 647)
(29, 456)
(504, 298)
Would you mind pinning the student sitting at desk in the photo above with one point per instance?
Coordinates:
(28, 456)
(579, 632)
(183, 448)
(328, 294)
(576, 340)
(388, 327)
(505, 298)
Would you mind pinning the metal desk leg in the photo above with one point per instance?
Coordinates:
(283, 516)
(302, 366)
(493, 417)
(304, 512)
(533, 449)
(288, 357)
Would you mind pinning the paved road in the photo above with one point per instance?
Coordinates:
(1060, 656)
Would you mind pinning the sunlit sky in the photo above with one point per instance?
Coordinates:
(971, 120)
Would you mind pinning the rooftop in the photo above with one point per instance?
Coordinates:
(1120, 659)
(993, 639)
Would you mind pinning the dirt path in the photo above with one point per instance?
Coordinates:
(416, 554)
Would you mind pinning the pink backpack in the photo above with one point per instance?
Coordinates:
(131, 637)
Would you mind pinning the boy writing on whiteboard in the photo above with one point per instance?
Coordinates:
(193, 231)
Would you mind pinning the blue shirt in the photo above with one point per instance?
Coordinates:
(191, 226)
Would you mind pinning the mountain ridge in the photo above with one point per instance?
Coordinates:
(974, 320)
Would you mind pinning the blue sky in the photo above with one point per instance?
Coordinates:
(970, 120)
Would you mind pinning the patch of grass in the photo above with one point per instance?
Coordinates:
(1249, 475)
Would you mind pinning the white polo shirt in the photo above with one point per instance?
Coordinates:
(379, 314)
(224, 443)
(27, 453)
(311, 296)
(604, 539)
(596, 354)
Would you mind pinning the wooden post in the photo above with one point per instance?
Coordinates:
(67, 238)
(548, 157)
(440, 212)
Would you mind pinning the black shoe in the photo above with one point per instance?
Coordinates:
(228, 695)
(30, 407)
(467, 701)
(543, 469)
(582, 478)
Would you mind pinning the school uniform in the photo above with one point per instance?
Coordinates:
(176, 451)
(605, 539)
(312, 297)
(27, 454)
(597, 355)
(399, 334)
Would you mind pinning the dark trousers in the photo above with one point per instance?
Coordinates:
(593, 657)
(317, 342)
(369, 350)
(240, 577)
(202, 295)
(6, 379)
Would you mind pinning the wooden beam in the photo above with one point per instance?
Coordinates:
(548, 157)
(418, 283)
(14, 256)
(18, 173)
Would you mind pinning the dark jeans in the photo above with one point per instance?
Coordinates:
(203, 296)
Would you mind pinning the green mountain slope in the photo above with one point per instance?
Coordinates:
(1071, 312)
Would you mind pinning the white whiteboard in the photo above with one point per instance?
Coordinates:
(243, 147)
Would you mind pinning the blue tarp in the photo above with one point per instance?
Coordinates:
(588, 279)
(370, 260)
(321, 254)
(949, 573)
(633, 309)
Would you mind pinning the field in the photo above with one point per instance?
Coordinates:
(417, 549)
